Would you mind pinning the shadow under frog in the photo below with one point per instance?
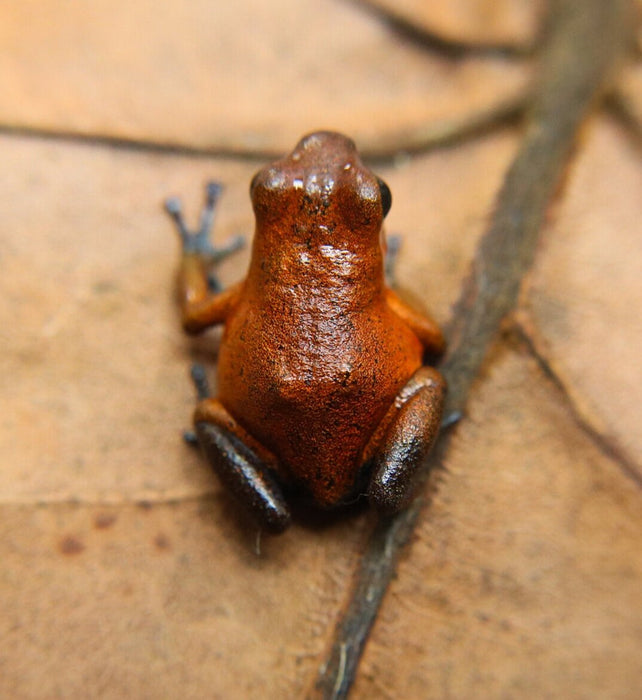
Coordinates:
(321, 381)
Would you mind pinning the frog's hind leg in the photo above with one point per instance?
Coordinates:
(404, 438)
(242, 464)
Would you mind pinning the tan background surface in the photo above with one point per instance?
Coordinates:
(125, 569)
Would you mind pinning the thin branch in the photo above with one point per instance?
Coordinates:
(584, 40)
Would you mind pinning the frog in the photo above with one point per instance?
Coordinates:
(323, 388)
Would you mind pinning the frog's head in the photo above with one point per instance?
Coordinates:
(323, 189)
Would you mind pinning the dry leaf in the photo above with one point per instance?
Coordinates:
(126, 568)
(243, 76)
(505, 23)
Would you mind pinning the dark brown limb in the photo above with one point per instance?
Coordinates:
(584, 42)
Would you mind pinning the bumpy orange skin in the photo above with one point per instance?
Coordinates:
(312, 356)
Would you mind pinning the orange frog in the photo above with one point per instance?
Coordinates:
(321, 383)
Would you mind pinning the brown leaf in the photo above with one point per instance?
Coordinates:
(163, 601)
(585, 294)
(126, 569)
(88, 270)
(244, 76)
(504, 23)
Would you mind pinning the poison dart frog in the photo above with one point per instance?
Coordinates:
(322, 386)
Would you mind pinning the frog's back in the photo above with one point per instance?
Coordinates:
(312, 357)
(314, 387)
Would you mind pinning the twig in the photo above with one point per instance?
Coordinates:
(584, 40)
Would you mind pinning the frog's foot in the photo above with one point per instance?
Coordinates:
(393, 246)
(199, 378)
(450, 420)
(241, 465)
(198, 241)
(409, 431)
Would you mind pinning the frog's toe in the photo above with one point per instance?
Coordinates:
(197, 241)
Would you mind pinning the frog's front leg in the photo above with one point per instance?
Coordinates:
(404, 438)
(244, 466)
(202, 302)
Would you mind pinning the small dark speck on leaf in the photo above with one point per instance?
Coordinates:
(71, 545)
(104, 520)
(161, 541)
(104, 287)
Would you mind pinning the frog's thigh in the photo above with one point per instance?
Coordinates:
(410, 431)
(241, 464)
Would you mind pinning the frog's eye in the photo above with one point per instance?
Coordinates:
(253, 183)
(386, 197)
